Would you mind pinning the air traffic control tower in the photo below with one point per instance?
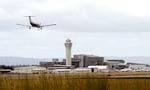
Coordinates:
(68, 46)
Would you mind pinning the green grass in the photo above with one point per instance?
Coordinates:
(70, 82)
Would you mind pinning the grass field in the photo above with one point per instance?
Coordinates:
(72, 82)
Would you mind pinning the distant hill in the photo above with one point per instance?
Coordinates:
(133, 59)
(19, 61)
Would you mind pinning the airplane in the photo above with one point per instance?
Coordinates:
(36, 25)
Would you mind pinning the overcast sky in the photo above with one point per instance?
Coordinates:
(98, 27)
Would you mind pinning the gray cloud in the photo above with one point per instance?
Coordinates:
(83, 17)
(87, 23)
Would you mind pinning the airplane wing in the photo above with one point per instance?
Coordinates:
(29, 26)
(24, 25)
(48, 25)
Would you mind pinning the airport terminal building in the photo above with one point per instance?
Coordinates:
(80, 60)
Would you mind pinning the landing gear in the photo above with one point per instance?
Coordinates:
(29, 27)
(41, 28)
